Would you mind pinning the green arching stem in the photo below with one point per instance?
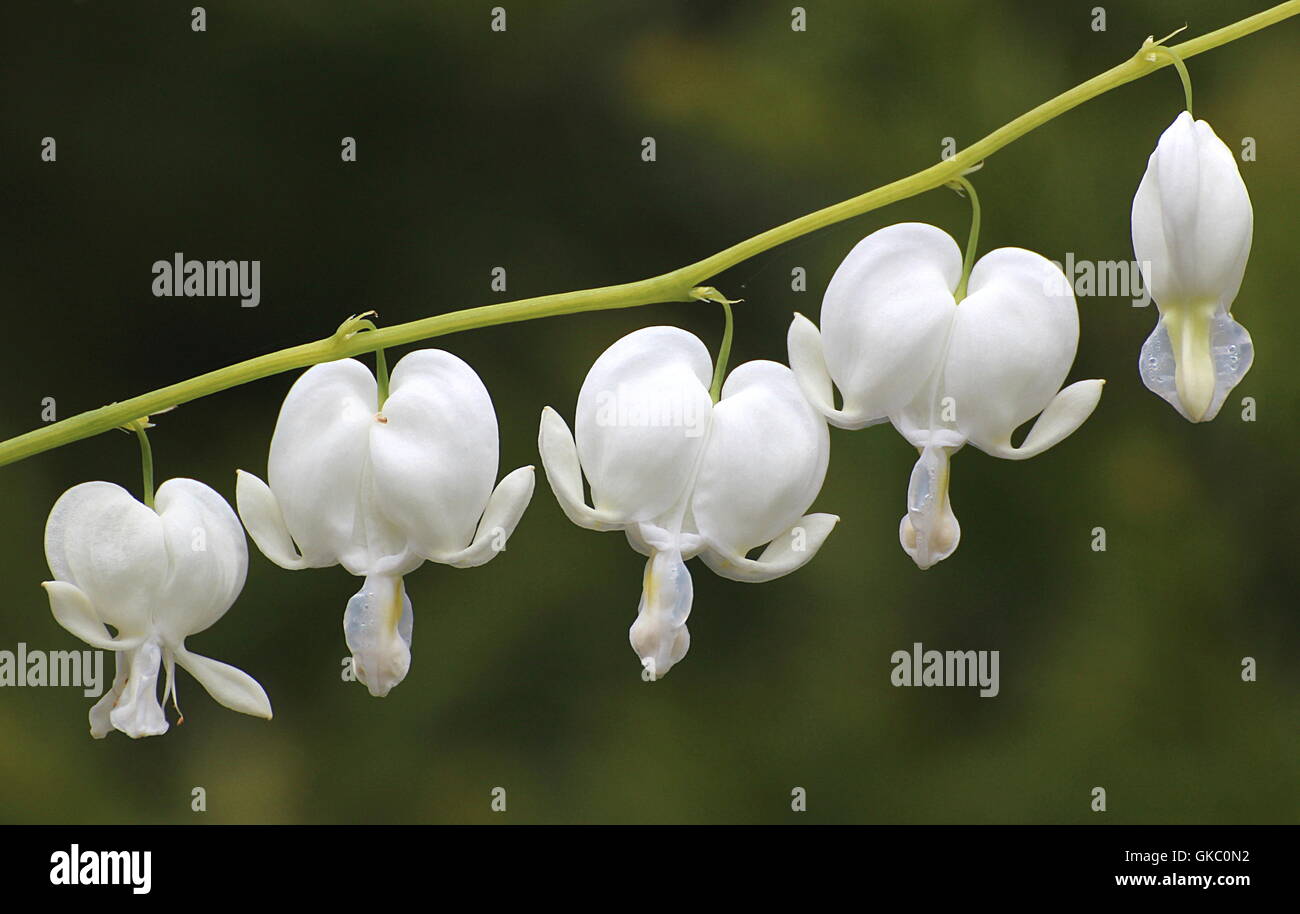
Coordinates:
(973, 240)
(381, 375)
(146, 458)
(1181, 67)
(724, 354)
(669, 287)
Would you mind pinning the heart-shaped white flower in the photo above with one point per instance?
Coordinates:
(382, 489)
(682, 476)
(899, 346)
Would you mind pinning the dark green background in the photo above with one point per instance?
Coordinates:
(1119, 669)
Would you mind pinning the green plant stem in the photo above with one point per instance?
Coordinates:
(381, 376)
(146, 459)
(670, 287)
(973, 240)
(724, 353)
(1182, 72)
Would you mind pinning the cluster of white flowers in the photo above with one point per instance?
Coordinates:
(381, 486)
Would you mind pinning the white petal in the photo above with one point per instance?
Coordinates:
(260, 512)
(73, 610)
(101, 721)
(318, 457)
(929, 531)
(788, 552)
(886, 315)
(229, 685)
(110, 546)
(642, 417)
(659, 635)
(764, 462)
(1192, 219)
(377, 626)
(137, 712)
(560, 459)
(504, 509)
(808, 362)
(207, 558)
(1060, 420)
(1012, 345)
(435, 458)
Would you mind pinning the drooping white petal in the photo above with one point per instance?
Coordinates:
(929, 531)
(808, 362)
(228, 685)
(1013, 342)
(261, 514)
(764, 462)
(659, 635)
(560, 459)
(1192, 219)
(377, 626)
(207, 558)
(99, 538)
(319, 453)
(886, 315)
(137, 712)
(101, 722)
(73, 610)
(435, 456)
(504, 509)
(786, 553)
(1062, 417)
(642, 417)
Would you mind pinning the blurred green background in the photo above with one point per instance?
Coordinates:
(479, 149)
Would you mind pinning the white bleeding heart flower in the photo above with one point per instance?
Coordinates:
(157, 575)
(684, 477)
(382, 489)
(897, 344)
(1192, 225)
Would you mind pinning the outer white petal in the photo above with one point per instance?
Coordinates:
(808, 362)
(1192, 218)
(560, 459)
(1062, 417)
(435, 458)
(1012, 345)
(207, 558)
(261, 514)
(788, 552)
(886, 315)
(230, 686)
(99, 538)
(764, 463)
(643, 415)
(72, 609)
(318, 457)
(504, 509)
